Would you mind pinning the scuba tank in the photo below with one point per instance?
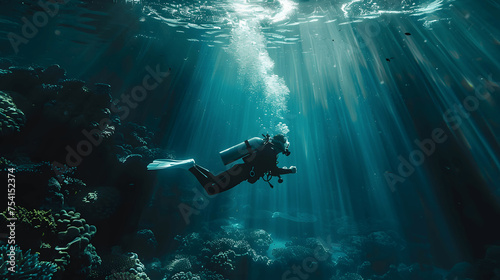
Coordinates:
(238, 151)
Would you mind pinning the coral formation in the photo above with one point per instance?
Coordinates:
(223, 262)
(35, 228)
(27, 266)
(96, 203)
(185, 276)
(75, 253)
(123, 264)
(133, 139)
(11, 118)
(190, 243)
(259, 240)
(179, 265)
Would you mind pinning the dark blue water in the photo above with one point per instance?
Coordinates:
(390, 109)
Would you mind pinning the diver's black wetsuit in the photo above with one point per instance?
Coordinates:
(254, 167)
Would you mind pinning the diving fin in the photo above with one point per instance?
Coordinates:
(159, 164)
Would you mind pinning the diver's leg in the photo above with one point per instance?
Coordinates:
(228, 179)
(222, 182)
(202, 175)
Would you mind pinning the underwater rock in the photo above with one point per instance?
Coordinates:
(154, 269)
(345, 264)
(19, 79)
(44, 93)
(11, 118)
(143, 243)
(348, 276)
(27, 265)
(365, 269)
(74, 86)
(493, 253)
(461, 271)
(55, 199)
(121, 276)
(487, 268)
(103, 94)
(90, 260)
(292, 254)
(52, 74)
(5, 76)
(412, 272)
(5, 63)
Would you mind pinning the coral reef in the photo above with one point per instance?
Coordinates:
(44, 119)
(215, 255)
(27, 265)
(380, 248)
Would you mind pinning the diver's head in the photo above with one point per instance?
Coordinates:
(281, 144)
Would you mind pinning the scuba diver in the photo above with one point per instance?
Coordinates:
(259, 161)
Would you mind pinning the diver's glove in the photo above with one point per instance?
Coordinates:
(293, 169)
